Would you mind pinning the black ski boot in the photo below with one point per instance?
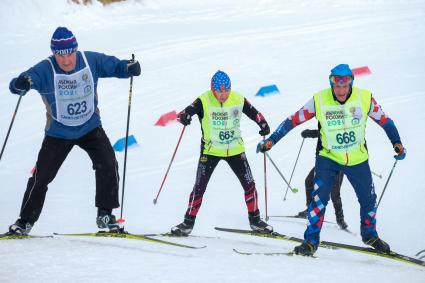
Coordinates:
(377, 244)
(340, 220)
(305, 249)
(258, 225)
(302, 214)
(20, 227)
(184, 228)
(106, 220)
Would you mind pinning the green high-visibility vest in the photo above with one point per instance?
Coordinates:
(221, 124)
(343, 125)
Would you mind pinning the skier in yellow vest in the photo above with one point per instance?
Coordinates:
(220, 111)
(342, 112)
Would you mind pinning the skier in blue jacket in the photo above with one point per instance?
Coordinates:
(67, 82)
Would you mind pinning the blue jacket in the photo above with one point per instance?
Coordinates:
(101, 66)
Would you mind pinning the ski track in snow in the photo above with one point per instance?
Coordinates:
(180, 44)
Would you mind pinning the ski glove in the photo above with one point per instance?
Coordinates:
(264, 145)
(133, 68)
(265, 129)
(400, 150)
(184, 118)
(310, 133)
(20, 85)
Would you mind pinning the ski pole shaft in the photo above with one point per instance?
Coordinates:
(376, 174)
(386, 183)
(10, 126)
(169, 166)
(423, 251)
(130, 93)
(293, 169)
(294, 190)
(265, 184)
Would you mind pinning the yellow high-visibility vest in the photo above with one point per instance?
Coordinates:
(221, 124)
(343, 125)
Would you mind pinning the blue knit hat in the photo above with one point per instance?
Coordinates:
(63, 41)
(341, 70)
(220, 81)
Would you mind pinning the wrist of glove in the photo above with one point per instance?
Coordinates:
(400, 151)
(265, 129)
(21, 85)
(264, 145)
(184, 118)
(133, 68)
(310, 133)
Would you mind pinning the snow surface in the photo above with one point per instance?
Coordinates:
(180, 44)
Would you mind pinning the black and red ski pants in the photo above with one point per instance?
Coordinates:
(206, 165)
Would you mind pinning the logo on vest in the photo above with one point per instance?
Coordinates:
(87, 89)
(67, 87)
(357, 114)
(335, 118)
(219, 118)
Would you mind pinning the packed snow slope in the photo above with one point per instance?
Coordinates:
(180, 44)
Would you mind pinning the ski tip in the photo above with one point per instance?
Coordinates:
(154, 201)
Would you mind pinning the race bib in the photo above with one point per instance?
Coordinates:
(74, 95)
(225, 126)
(343, 126)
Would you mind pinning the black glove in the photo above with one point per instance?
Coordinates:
(133, 68)
(310, 133)
(21, 85)
(400, 150)
(184, 118)
(265, 129)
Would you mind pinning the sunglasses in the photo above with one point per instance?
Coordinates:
(341, 80)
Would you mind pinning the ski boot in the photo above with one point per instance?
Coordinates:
(302, 214)
(305, 249)
(20, 227)
(106, 220)
(377, 244)
(184, 228)
(258, 225)
(340, 220)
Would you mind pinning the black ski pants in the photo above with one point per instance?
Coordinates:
(52, 154)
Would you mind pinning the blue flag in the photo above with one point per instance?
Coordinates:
(120, 144)
(267, 90)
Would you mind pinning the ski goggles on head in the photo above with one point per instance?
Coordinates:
(341, 80)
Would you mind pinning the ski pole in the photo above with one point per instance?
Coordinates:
(292, 174)
(423, 251)
(10, 126)
(265, 182)
(169, 166)
(386, 183)
(376, 174)
(126, 141)
(294, 190)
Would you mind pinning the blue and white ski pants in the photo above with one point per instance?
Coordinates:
(360, 178)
